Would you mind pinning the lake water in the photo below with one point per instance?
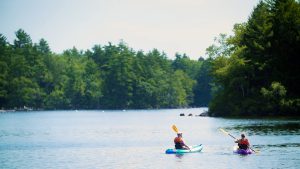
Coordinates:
(139, 138)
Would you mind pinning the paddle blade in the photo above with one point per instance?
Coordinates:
(223, 131)
(175, 128)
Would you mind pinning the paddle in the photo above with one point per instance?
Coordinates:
(225, 132)
(175, 128)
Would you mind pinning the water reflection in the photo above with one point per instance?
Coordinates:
(290, 128)
(179, 155)
(278, 145)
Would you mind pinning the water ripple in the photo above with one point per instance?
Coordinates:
(290, 128)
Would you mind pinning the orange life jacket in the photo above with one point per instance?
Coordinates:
(178, 143)
(244, 141)
(178, 140)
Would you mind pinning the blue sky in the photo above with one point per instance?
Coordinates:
(184, 26)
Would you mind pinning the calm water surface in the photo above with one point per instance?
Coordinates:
(138, 139)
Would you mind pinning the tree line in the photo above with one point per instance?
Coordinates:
(104, 77)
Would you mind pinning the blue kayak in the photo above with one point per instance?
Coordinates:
(194, 149)
(241, 151)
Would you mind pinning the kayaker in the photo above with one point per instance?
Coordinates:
(243, 143)
(179, 143)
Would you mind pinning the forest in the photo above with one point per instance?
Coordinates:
(105, 77)
(253, 72)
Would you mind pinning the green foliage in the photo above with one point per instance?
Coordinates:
(23, 39)
(257, 72)
(43, 47)
(105, 77)
(118, 84)
(4, 69)
(203, 87)
(184, 63)
(25, 92)
(221, 47)
(198, 71)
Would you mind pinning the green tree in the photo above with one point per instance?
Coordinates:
(119, 78)
(203, 88)
(4, 70)
(285, 44)
(93, 85)
(262, 51)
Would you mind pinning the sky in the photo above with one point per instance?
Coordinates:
(183, 26)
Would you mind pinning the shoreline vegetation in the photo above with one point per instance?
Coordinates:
(105, 77)
(252, 73)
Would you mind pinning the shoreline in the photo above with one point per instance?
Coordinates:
(278, 117)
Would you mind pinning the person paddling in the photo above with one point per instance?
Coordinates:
(179, 143)
(243, 143)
